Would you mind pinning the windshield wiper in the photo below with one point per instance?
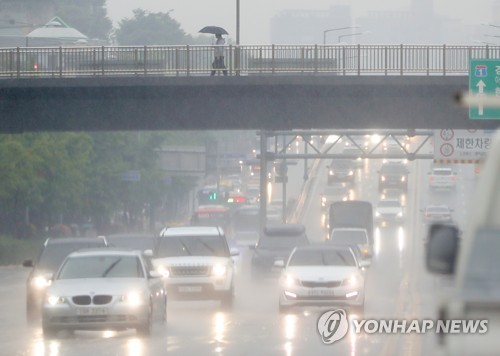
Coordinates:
(185, 247)
(111, 266)
(210, 248)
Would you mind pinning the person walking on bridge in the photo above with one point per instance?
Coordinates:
(218, 62)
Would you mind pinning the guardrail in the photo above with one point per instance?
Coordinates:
(241, 60)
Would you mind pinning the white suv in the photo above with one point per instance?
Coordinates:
(197, 263)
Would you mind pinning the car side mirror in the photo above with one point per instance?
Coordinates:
(148, 253)
(155, 274)
(442, 249)
(234, 252)
(279, 263)
(363, 264)
(28, 263)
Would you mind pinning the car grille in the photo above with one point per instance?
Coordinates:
(181, 271)
(328, 284)
(81, 299)
(322, 297)
(96, 299)
(93, 319)
(101, 299)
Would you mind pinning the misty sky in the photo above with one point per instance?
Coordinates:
(256, 14)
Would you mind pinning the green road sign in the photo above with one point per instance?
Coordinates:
(484, 79)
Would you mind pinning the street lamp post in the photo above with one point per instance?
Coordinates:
(349, 35)
(335, 29)
(237, 22)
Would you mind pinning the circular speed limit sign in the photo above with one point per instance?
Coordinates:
(446, 150)
(447, 135)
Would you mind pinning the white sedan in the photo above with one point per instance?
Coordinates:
(104, 289)
(318, 275)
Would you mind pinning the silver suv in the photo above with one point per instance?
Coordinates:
(197, 263)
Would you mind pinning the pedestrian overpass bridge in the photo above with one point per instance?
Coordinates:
(268, 87)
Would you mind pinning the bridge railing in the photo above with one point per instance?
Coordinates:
(242, 60)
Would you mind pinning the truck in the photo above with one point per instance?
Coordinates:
(471, 259)
(351, 214)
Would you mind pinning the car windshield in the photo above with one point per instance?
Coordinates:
(392, 169)
(349, 236)
(323, 257)
(341, 164)
(282, 242)
(389, 204)
(177, 246)
(54, 254)
(102, 266)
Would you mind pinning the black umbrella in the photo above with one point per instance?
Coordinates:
(216, 30)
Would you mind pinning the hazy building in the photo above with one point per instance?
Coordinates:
(308, 26)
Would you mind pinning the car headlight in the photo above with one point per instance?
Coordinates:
(377, 213)
(54, 299)
(382, 178)
(323, 199)
(132, 298)
(291, 280)
(351, 173)
(400, 214)
(163, 271)
(331, 172)
(40, 282)
(352, 281)
(403, 179)
(219, 270)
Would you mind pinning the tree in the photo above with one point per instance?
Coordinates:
(87, 16)
(147, 28)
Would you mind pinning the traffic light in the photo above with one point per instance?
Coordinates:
(212, 196)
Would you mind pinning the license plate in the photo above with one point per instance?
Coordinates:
(320, 292)
(92, 311)
(190, 289)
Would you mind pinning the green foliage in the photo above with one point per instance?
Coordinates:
(66, 178)
(147, 28)
(15, 251)
(87, 16)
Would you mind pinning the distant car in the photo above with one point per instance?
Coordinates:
(389, 211)
(356, 154)
(52, 254)
(437, 213)
(244, 225)
(211, 215)
(335, 192)
(104, 289)
(132, 241)
(275, 243)
(322, 275)
(341, 170)
(393, 175)
(442, 178)
(393, 148)
(197, 263)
